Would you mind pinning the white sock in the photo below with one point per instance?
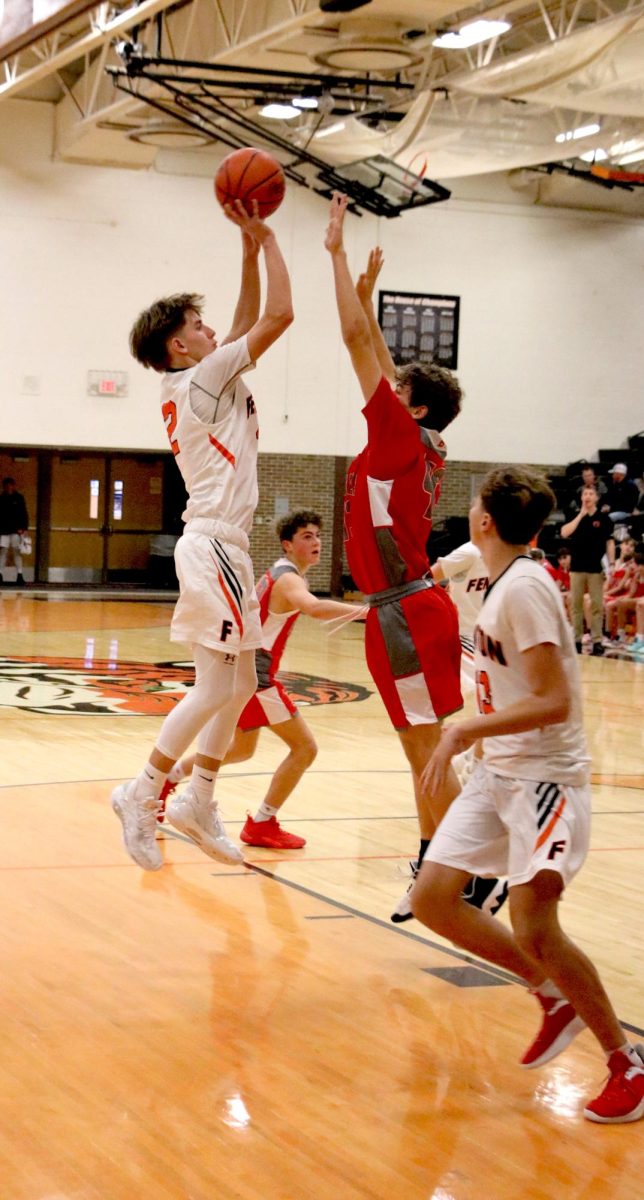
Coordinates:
(265, 812)
(548, 989)
(202, 782)
(630, 1052)
(177, 772)
(150, 781)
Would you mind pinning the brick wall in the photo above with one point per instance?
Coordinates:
(288, 481)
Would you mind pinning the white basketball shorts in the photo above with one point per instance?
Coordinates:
(516, 827)
(217, 605)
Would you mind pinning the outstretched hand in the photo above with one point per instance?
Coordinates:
(251, 225)
(367, 280)
(334, 232)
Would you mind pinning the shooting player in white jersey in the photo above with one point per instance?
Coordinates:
(525, 811)
(212, 425)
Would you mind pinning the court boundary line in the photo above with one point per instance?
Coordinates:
(390, 927)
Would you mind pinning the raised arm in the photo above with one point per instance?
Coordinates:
(354, 324)
(278, 308)
(364, 288)
(567, 530)
(247, 310)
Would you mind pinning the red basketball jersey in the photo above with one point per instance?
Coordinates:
(391, 490)
(275, 626)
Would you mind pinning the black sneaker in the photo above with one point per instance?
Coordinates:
(20, 581)
(579, 647)
(488, 895)
(598, 649)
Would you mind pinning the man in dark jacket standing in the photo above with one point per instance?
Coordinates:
(590, 537)
(14, 522)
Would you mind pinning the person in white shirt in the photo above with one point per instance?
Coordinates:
(525, 812)
(212, 426)
(466, 573)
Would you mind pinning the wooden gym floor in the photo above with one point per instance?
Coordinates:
(206, 1033)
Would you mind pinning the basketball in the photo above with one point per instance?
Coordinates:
(250, 174)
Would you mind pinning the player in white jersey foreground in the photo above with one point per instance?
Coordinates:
(525, 812)
(283, 594)
(211, 421)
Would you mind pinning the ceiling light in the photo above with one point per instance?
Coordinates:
(305, 101)
(582, 131)
(337, 127)
(636, 156)
(279, 112)
(626, 147)
(592, 156)
(471, 34)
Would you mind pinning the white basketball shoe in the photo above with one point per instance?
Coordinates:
(201, 822)
(139, 820)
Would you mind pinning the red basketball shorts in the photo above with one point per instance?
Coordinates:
(414, 656)
(269, 706)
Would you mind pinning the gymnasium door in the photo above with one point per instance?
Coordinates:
(104, 509)
(135, 504)
(77, 518)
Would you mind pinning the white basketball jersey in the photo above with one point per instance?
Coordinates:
(467, 574)
(212, 425)
(523, 608)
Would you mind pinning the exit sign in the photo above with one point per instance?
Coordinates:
(107, 383)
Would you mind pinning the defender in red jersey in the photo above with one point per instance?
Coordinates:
(412, 639)
(283, 594)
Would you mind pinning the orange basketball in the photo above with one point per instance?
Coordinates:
(250, 174)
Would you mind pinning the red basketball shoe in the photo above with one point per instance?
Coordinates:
(560, 1025)
(623, 1096)
(270, 834)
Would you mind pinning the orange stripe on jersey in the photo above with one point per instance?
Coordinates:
(231, 604)
(543, 837)
(222, 449)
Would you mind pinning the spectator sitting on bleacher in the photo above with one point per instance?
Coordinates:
(630, 610)
(637, 520)
(622, 495)
(637, 647)
(621, 584)
(561, 575)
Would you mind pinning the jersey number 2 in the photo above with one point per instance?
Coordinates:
(169, 410)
